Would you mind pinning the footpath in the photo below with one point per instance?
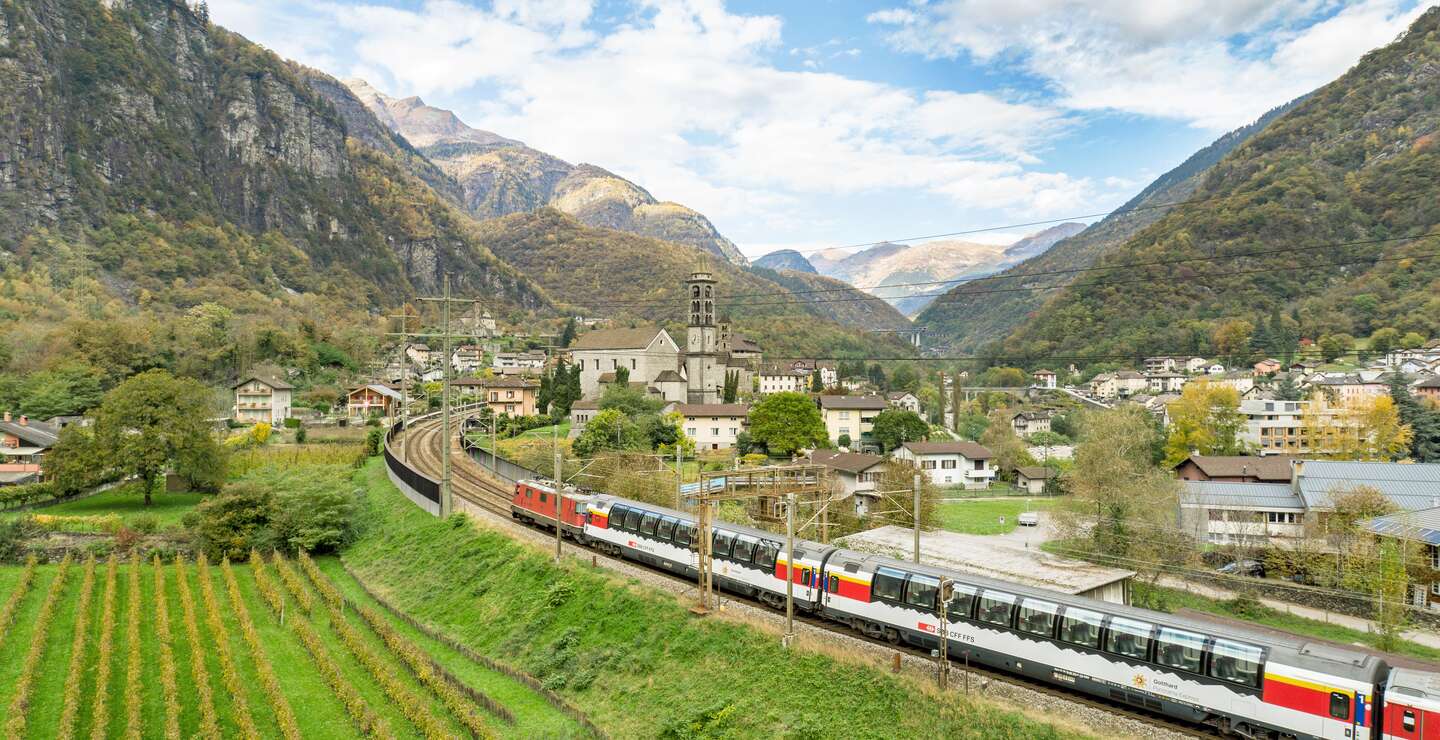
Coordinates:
(1422, 637)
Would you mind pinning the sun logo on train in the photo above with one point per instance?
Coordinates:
(1138, 681)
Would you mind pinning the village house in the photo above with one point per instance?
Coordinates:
(1353, 387)
(23, 445)
(851, 416)
(904, 400)
(467, 387)
(744, 351)
(467, 359)
(713, 426)
(829, 376)
(1429, 388)
(581, 412)
(782, 379)
(510, 396)
(260, 399)
(855, 474)
(1267, 366)
(1241, 381)
(418, 354)
(372, 400)
(1422, 528)
(1215, 369)
(950, 463)
(644, 351)
(1280, 427)
(1161, 364)
(1044, 378)
(1026, 423)
(518, 363)
(1235, 468)
(1032, 478)
(1166, 382)
(1120, 384)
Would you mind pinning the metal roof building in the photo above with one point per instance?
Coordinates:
(1411, 487)
(1419, 526)
(1244, 496)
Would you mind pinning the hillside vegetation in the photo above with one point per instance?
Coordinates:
(1354, 162)
(633, 278)
(975, 313)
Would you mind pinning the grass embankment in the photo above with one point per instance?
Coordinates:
(1170, 599)
(219, 642)
(984, 517)
(634, 658)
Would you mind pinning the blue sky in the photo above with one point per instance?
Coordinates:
(827, 122)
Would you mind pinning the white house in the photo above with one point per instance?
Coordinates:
(950, 463)
(644, 351)
(1026, 423)
(419, 354)
(466, 358)
(1044, 378)
(904, 400)
(782, 379)
(1215, 369)
(260, 399)
(713, 426)
(1166, 382)
(518, 361)
(1032, 478)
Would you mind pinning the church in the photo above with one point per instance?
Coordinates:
(656, 364)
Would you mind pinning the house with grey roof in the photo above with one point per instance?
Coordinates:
(1226, 513)
(23, 445)
(951, 463)
(855, 474)
(644, 351)
(1420, 529)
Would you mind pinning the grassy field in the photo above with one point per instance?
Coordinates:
(983, 517)
(1170, 599)
(106, 511)
(635, 658)
(251, 671)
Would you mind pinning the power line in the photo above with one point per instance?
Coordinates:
(1300, 352)
(729, 300)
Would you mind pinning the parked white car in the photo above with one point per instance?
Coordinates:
(1028, 519)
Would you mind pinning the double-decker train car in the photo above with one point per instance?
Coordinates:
(1242, 683)
(748, 561)
(1247, 684)
(534, 501)
(1412, 705)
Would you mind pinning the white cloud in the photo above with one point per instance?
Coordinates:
(1214, 65)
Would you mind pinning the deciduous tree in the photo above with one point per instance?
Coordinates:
(787, 422)
(895, 427)
(1205, 420)
(1010, 452)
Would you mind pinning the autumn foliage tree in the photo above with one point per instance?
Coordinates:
(1205, 420)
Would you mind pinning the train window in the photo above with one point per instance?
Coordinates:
(1183, 650)
(1408, 720)
(765, 554)
(1339, 705)
(744, 549)
(834, 585)
(666, 530)
(684, 534)
(632, 519)
(921, 592)
(852, 567)
(1037, 617)
(647, 525)
(723, 541)
(616, 517)
(1236, 663)
(888, 585)
(996, 607)
(962, 603)
(1081, 627)
(1129, 638)
(544, 498)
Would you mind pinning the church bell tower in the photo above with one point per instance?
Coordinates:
(702, 341)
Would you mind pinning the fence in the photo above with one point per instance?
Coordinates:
(418, 487)
(503, 469)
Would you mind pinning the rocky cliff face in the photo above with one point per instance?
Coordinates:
(500, 176)
(140, 107)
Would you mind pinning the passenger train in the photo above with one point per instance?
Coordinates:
(1240, 683)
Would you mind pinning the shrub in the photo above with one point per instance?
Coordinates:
(300, 435)
(234, 522)
(292, 423)
(145, 523)
(30, 493)
(374, 441)
(13, 534)
(315, 519)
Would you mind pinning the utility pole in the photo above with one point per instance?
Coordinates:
(404, 384)
(446, 502)
(789, 570)
(917, 517)
(947, 593)
(679, 474)
(559, 507)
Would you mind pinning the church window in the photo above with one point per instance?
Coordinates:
(632, 363)
(695, 291)
(707, 291)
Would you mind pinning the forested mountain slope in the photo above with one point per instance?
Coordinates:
(634, 278)
(786, 259)
(974, 313)
(500, 176)
(1355, 162)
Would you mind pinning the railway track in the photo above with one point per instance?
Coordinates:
(470, 482)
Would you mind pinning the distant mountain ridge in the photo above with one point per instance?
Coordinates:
(975, 313)
(499, 176)
(786, 259)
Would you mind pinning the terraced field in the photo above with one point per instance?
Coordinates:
(269, 648)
